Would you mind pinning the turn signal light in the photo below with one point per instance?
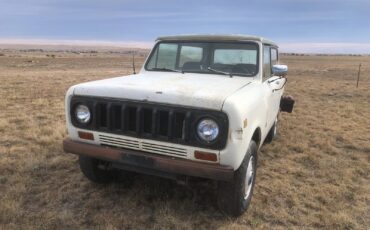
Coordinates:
(85, 135)
(205, 156)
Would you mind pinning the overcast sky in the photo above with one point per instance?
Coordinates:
(327, 25)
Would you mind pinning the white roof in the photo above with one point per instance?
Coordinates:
(215, 37)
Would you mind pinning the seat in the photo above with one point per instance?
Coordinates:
(244, 69)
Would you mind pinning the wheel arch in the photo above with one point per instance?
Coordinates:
(257, 136)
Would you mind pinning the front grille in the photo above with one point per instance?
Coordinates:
(148, 121)
(143, 145)
(142, 121)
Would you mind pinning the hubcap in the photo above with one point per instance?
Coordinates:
(249, 178)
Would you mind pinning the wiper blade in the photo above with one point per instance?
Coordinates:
(219, 71)
(167, 69)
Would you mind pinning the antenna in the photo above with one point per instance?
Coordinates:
(133, 62)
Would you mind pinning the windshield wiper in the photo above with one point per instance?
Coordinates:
(219, 71)
(166, 69)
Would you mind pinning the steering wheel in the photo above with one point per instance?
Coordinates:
(242, 67)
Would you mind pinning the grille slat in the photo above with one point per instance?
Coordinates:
(162, 146)
(163, 123)
(119, 140)
(108, 115)
(139, 120)
(159, 151)
(122, 142)
(102, 114)
(123, 117)
(154, 122)
(170, 124)
(119, 144)
(95, 112)
(187, 121)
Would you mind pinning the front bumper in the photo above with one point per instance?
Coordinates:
(134, 160)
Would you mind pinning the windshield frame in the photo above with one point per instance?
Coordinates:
(152, 52)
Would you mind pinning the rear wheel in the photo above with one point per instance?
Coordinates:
(96, 170)
(234, 197)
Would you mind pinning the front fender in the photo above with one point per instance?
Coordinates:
(247, 113)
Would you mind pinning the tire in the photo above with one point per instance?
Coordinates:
(95, 170)
(235, 197)
(272, 133)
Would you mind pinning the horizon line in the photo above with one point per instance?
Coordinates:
(285, 47)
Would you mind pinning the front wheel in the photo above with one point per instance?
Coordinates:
(234, 197)
(95, 170)
(272, 133)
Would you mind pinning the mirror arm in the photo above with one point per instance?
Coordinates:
(286, 80)
(279, 77)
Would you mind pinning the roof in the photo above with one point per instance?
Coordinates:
(216, 37)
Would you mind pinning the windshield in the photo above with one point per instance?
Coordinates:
(235, 58)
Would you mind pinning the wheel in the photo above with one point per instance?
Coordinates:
(272, 133)
(235, 197)
(95, 170)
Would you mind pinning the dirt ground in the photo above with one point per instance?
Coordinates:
(314, 175)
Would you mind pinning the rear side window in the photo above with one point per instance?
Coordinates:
(274, 56)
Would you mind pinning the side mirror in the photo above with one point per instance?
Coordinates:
(280, 70)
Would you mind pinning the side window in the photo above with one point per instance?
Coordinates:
(274, 56)
(266, 63)
(164, 56)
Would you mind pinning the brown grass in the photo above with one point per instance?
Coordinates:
(314, 175)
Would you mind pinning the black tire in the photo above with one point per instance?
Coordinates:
(232, 198)
(95, 170)
(272, 133)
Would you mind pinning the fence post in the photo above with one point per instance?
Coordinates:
(358, 75)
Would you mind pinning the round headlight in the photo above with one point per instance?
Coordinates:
(208, 130)
(82, 114)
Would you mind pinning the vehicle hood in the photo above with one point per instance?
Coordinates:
(188, 89)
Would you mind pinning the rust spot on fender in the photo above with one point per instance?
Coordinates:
(245, 123)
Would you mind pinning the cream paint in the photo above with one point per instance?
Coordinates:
(239, 97)
(206, 91)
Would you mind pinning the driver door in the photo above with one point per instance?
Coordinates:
(271, 85)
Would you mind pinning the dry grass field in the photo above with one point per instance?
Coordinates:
(316, 174)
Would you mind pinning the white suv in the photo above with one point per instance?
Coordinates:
(201, 106)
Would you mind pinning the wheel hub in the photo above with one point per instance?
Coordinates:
(249, 178)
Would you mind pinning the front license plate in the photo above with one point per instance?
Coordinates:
(137, 160)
